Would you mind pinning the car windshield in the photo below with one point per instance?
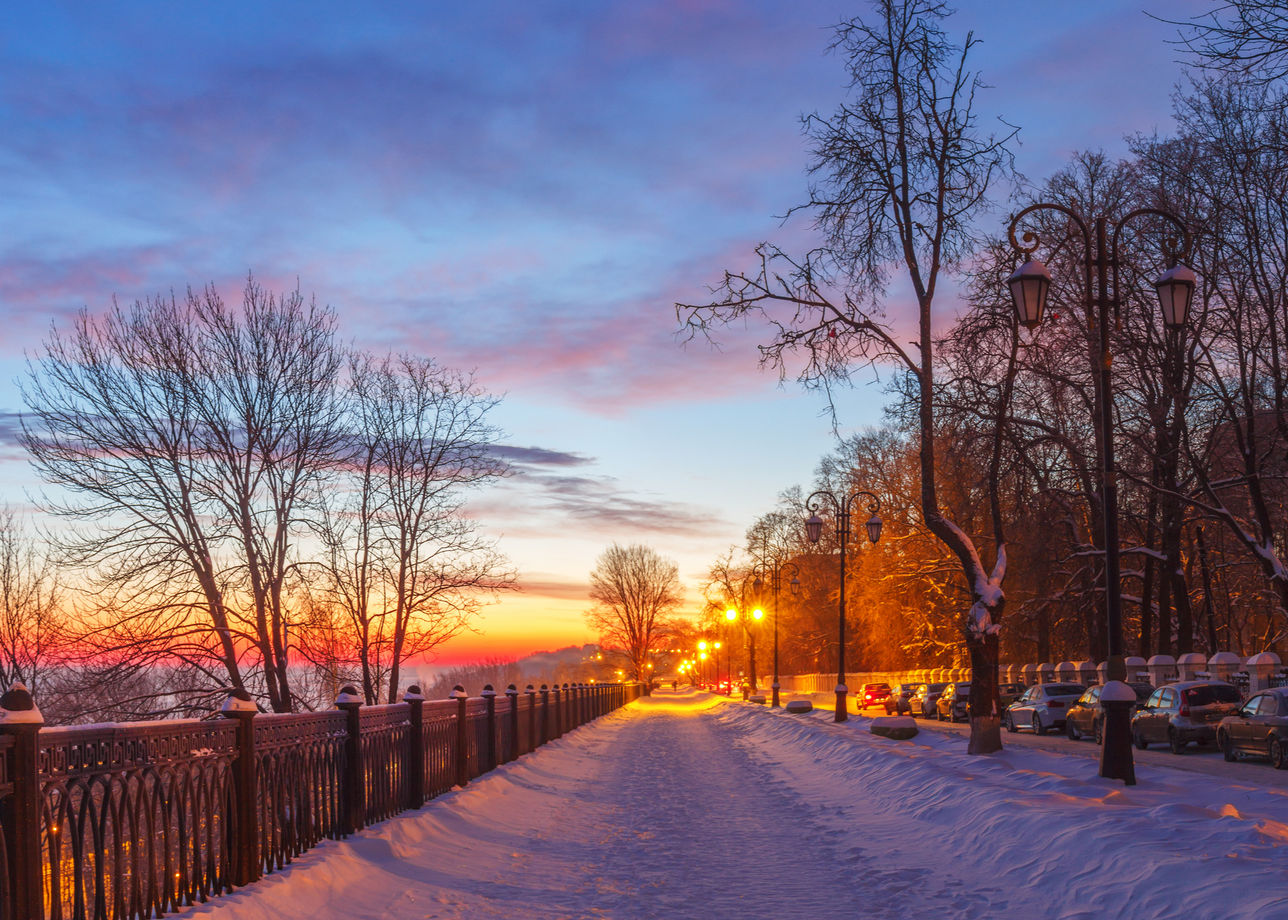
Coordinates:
(1212, 693)
(1063, 690)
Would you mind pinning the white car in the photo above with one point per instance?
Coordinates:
(1042, 707)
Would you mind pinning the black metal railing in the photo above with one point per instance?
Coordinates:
(132, 821)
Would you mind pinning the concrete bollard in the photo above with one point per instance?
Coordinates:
(1260, 668)
(1189, 665)
(1162, 670)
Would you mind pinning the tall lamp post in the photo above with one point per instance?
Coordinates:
(774, 571)
(814, 530)
(1029, 286)
(730, 616)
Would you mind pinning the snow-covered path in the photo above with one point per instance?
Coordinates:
(684, 807)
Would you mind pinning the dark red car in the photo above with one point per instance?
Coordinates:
(873, 695)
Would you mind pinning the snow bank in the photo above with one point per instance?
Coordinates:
(1033, 833)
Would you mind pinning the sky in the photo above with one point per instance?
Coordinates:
(521, 189)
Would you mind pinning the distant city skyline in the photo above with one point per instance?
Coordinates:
(520, 189)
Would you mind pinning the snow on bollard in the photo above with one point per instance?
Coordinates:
(757, 698)
(799, 706)
(897, 728)
(239, 701)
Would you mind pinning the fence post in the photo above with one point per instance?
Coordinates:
(489, 695)
(512, 694)
(556, 728)
(20, 718)
(462, 737)
(582, 700)
(545, 713)
(415, 762)
(532, 718)
(355, 800)
(565, 712)
(244, 839)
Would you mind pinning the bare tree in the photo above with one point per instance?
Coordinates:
(1242, 37)
(902, 172)
(635, 589)
(33, 624)
(188, 442)
(405, 564)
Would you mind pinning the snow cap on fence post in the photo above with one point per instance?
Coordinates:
(348, 695)
(18, 708)
(488, 691)
(458, 693)
(238, 700)
(412, 693)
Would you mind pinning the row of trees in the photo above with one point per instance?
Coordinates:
(241, 501)
(991, 449)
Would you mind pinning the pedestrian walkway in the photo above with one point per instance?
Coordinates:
(651, 812)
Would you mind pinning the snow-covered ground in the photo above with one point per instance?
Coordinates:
(684, 806)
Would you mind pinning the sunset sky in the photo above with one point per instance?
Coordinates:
(524, 189)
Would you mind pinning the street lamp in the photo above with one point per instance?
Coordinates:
(730, 615)
(775, 571)
(1029, 285)
(814, 530)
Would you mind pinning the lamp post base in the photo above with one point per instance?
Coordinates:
(1115, 756)
(774, 704)
(842, 712)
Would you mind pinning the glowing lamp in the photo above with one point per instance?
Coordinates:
(874, 528)
(796, 585)
(731, 614)
(757, 614)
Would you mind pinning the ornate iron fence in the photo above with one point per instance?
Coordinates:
(132, 821)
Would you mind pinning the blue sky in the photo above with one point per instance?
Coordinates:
(520, 188)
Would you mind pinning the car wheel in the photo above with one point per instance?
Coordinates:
(1227, 747)
(1010, 723)
(1071, 730)
(1037, 725)
(1140, 740)
(1174, 742)
(1099, 729)
(1278, 754)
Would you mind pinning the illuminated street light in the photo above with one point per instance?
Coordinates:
(814, 530)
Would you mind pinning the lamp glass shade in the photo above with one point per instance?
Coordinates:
(814, 528)
(731, 614)
(758, 614)
(796, 585)
(874, 529)
(1175, 293)
(1029, 285)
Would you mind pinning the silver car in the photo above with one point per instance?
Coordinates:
(1186, 711)
(1042, 707)
(923, 701)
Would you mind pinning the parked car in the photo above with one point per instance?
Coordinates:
(953, 703)
(873, 695)
(1008, 694)
(922, 703)
(1086, 717)
(1259, 727)
(897, 703)
(1042, 707)
(1183, 712)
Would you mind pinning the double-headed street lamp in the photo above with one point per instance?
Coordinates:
(814, 530)
(775, 570)
(751, 618)
(1029, 286)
